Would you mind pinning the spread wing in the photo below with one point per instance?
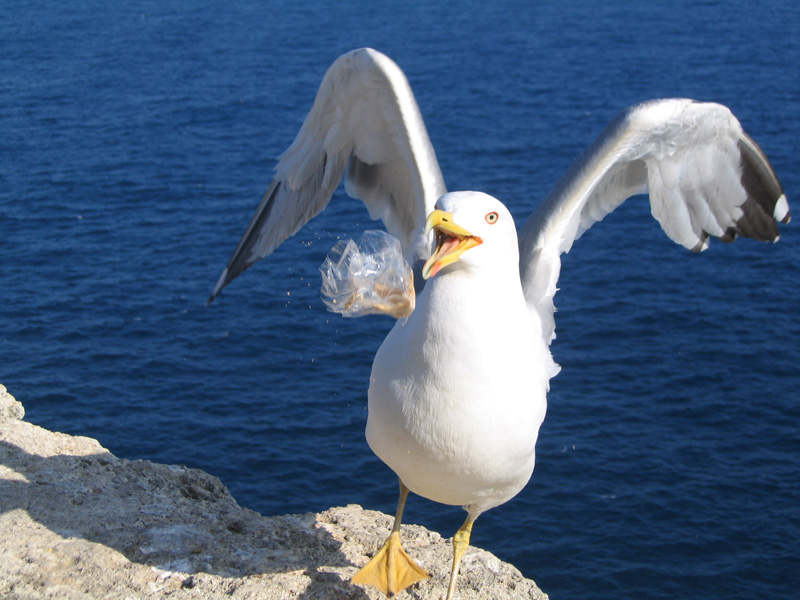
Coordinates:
(705, 176)
(366, 122)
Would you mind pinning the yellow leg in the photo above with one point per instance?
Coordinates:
(460, 545)
(392, 570)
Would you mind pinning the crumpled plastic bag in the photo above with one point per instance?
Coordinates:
(368, 278)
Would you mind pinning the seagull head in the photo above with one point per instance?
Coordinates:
(473, 230)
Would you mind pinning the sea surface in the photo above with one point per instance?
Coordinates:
(137, 138)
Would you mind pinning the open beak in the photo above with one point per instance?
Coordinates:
(451, 242)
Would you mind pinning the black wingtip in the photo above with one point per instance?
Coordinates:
(242, 258)
(224, 279)
(766, 204)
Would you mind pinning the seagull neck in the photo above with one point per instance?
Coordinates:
(470, 281)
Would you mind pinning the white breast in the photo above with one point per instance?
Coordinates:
(457, 394)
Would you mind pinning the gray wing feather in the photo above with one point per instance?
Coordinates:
(705, 176)
(365, 122)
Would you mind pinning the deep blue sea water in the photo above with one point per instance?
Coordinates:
(136, 140)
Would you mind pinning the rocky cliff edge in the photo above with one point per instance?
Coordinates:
(76, 522)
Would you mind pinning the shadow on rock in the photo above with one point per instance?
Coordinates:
(170, 517)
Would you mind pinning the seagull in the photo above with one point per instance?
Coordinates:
(458, 388)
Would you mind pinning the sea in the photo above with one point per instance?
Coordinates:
(136, 140)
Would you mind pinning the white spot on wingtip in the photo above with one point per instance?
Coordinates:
(781, 211)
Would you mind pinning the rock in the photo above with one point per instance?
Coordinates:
(9, 407)
(76, 522)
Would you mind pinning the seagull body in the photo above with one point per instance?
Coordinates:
(458, 388)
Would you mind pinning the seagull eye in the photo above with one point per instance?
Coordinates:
(491, 218)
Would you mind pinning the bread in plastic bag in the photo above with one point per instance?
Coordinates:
(368, 278)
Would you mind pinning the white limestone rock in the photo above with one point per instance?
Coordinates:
(76, 522)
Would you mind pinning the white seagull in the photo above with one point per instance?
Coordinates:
(458, 388)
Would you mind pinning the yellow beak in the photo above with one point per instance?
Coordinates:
(451, 242)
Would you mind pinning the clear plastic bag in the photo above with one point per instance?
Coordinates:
(368, 278)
